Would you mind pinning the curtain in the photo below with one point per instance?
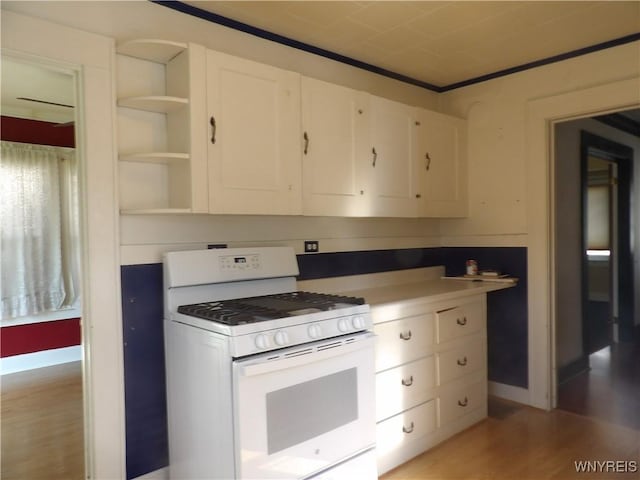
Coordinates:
(38, 229)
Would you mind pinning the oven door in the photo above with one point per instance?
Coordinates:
(301, 410)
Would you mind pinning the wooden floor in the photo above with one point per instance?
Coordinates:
(522, 443)
(41, 424)
(42, 438)
(610, 390)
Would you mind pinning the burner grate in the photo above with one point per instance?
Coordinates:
(268, 307)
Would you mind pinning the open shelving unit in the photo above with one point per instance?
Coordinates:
(161, 150)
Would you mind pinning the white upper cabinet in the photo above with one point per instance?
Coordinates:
(254, 142)
(441, 165)
(335, 139)
(160, 90)
(392, 159)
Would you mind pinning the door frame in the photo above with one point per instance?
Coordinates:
(541, 114)
(622, 156)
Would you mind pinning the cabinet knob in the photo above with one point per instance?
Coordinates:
(462, 322)
(427, 161)
(418, 195)
(306, 142)
(405, 336)
(407, 383)
(375, 156)
(462, 362)
(463, 403)
(409, 429)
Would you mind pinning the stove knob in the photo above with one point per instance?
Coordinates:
(314, 331)
(343, 325)
(281, 338)
(261, 341)
(358, 322)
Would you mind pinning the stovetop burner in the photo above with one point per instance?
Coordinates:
(269, 307)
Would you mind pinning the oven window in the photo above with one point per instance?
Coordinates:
(304, 411)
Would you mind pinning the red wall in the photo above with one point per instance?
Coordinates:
(35, 131)
(35, 337)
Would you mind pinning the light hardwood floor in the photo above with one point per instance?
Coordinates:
(42, 438)
(519, 442)
(41, 424)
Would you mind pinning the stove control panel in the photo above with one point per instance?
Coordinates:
(239, 262)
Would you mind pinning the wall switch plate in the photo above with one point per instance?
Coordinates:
(311, 246)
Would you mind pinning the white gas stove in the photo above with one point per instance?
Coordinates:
(264, 381)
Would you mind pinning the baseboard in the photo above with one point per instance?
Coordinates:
(509, 392)
(572, 369)
(46, 358)
(162, 474)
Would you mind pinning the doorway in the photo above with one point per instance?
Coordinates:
(43, 427)
(594, 277)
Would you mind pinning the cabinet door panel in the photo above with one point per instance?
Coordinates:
(440, 168)
(334, 141)
(391, 158)
(254, 142)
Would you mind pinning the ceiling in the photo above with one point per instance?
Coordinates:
(439, 43)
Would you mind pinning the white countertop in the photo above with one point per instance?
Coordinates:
(423, 284)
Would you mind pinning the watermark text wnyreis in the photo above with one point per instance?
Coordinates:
(606, 466)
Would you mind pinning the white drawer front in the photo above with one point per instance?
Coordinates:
(459, 321)
(455, 363)
(403, 387)
(402, 341)
(463, 400)
(393, 433)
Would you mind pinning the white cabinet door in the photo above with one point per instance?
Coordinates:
(254, 137)
(335, 145)
(391, 158)
(440, 165)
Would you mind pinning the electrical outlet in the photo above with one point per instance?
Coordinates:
(311, 246)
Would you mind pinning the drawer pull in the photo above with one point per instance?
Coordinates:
(462, 362)
(408, 383)
(463, 403)
(462, 322)
(407, 430)
(405, 336)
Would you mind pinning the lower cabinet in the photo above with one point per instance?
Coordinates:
(431, 374)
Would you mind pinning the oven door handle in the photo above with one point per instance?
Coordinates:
(301, 356)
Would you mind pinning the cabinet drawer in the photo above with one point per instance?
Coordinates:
(460, 401)
(460, 361)
(404, 387)
(403, 340)
(394, 433)
(459, 321)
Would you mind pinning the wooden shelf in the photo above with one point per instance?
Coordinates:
(156, 103)
(159, 51)
(155, 157)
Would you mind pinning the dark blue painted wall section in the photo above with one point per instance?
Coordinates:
(507, 316)
(142, 312)
(144, 380)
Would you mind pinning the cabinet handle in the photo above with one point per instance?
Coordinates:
(375, 156)
(463, 403)
(405, 336)
(212, 122)
(306, 142)
(408, 383)
(427, 161)
(418, 195)
(462, 362)
(408, 430)
(462, 322)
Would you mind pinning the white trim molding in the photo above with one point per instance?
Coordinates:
(541, 115)
(509, 392)
(45, 358)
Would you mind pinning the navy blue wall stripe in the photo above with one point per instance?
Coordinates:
(274, 37)
(143, 311)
